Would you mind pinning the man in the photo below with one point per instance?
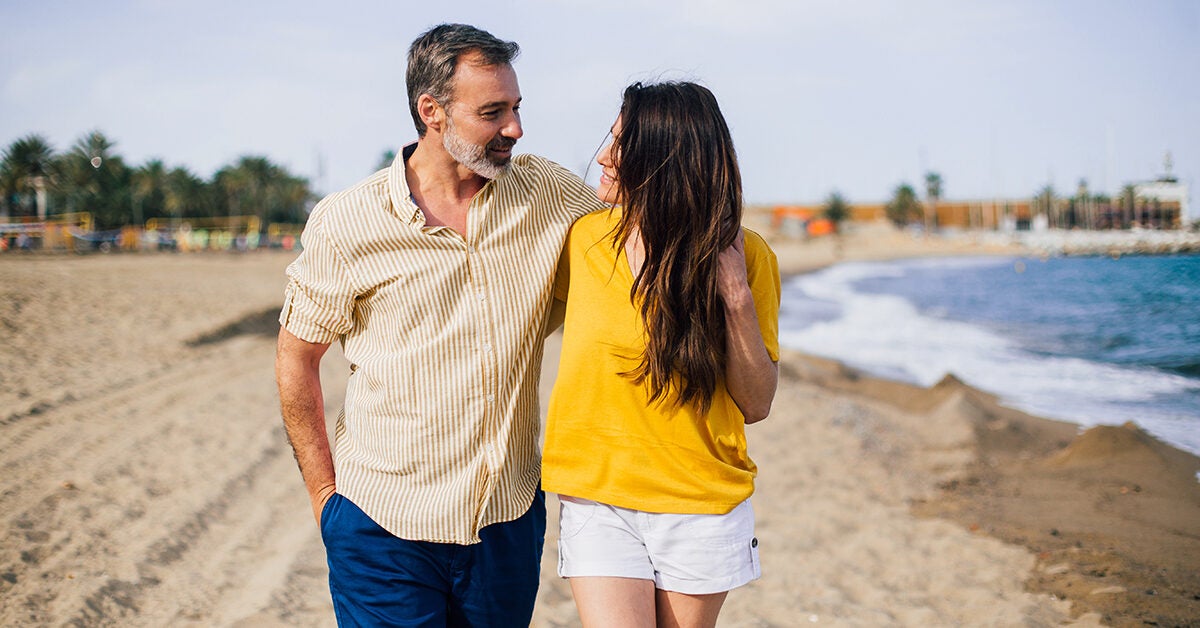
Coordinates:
(435, 275)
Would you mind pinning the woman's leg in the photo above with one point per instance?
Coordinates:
(615, 602)
(681, 610)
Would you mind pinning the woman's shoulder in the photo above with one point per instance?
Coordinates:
(595, 224)
(756, 246)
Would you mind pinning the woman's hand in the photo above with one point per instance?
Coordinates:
(750, 374)
(732, 284)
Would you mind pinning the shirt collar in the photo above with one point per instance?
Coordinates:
(402, 200)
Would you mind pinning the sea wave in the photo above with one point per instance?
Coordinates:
(888, 336)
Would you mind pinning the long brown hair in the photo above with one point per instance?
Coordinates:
(678, 180)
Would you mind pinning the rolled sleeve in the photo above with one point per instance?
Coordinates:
(319, 300)
(763, 271)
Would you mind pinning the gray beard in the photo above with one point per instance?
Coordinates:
(472, 156)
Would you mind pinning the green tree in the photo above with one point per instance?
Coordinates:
(904, 208)
(93, 178)
(25, 170)
(836, 210)
(234, 186)
(1128, 202)
(187, 195)
(1045, 202)
(293, 197)
(149, 182)
(933, 194)
(255, 186)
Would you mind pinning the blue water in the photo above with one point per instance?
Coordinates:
(1091, 340)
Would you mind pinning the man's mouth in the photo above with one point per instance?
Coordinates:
(502, 147)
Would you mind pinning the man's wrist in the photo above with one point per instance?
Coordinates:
(325, 490)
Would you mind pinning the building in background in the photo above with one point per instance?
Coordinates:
(1168, 192)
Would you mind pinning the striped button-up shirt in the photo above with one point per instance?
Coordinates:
(443, 331)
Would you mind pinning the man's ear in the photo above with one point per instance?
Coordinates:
(432, 113)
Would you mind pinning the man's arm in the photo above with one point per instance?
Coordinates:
(298, 374)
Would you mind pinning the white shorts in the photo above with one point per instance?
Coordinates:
(693, 554)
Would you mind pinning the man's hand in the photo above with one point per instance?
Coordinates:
(320, 499)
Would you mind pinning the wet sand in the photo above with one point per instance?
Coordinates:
(148, 481)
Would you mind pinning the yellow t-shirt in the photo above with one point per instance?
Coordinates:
(604, 441)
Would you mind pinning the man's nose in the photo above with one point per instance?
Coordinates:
(512, 129)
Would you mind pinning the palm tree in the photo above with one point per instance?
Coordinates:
(234, 187)
(1128, 205)
(26, 166)
(836, 210)
(256, 186)
(933, 194)
(186, 195)
(293, 196)
(149, 190)
(93, 178)
(903, 208)
(1045, 201)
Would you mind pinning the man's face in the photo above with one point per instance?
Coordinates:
(483, 121)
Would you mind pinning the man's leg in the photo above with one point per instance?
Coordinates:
(377, 579)
(497, 582)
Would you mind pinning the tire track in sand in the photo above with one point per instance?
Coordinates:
(171, 501)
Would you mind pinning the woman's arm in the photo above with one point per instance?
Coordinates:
(750, 375)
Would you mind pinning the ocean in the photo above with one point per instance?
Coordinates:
(1092, 340)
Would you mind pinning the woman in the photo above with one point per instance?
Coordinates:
(669, 349)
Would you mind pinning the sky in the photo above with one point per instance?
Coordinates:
(999, 97)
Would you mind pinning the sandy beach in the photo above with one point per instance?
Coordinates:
(148, 481)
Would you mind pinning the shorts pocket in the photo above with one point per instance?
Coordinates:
(573, 515)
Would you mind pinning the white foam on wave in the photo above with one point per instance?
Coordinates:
(887, 336)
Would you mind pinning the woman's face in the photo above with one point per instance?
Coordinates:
(607, 190)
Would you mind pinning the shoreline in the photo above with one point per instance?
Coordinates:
(1109, 512)
(1097, 506)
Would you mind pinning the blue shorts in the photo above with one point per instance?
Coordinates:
(377, 579)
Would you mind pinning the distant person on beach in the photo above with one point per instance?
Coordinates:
(670, 347)
(435, 275)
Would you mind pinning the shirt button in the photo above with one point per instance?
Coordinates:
(482, 296)
(487, 348)
(491, 398)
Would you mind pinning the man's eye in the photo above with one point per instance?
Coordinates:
(489, 114)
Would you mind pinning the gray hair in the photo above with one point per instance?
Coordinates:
(434, 56)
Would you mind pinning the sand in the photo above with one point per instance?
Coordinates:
(148, 482)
